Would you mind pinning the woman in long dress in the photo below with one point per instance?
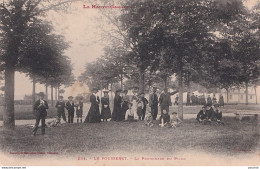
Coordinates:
(93, 113)
(125, 100)
(105, 111)
(117, 111)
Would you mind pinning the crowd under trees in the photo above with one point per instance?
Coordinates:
(213, 43)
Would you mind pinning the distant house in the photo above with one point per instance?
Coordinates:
(239, 95)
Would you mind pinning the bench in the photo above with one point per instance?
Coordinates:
(243, 113)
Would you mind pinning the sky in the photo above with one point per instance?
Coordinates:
(81, 27)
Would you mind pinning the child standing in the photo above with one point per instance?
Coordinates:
(79, 110)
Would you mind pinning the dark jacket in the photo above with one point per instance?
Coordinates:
(165, 100)
(153, 100)
(40, 109)
(70, 107)
(60, 105)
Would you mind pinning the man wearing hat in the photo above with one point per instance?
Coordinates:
(60, 105)
(153, 103)
(165, 100)
(40, 107)
(70, 108)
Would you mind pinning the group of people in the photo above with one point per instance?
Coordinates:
(210, 114)
(41, 106)
(126, 108)
(202, 100)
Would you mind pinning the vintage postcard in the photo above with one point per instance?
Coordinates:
(130, 83)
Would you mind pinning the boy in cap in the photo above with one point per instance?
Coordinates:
(40, 108)
(79, 109)
(70, 108)
(60, 105)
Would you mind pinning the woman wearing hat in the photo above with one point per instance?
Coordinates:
(93, 113)
(105, 111)
(117, 111)
(125, 100)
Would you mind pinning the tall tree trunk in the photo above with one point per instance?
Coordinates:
(111, 90)
(141, 80)
(58, 89)
(8, 115)
(52, 95)
(255, 95)
(227, 95)
(180, 105)
(246, 93)
(121, 81)
(56, 94)
(33, 92)
(165, 82)
(46, 92)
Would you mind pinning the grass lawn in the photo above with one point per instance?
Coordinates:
(233, 139)
(24, 112)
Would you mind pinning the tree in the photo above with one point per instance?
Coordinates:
(15, 17)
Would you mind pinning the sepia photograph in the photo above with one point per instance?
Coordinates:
(130, 83)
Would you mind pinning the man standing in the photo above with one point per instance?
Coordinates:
(165, 101)
(60, 105)
(40, 107)
(153, 103)
(70, 108)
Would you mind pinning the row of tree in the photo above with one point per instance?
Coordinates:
(210, 42)
(29, 46)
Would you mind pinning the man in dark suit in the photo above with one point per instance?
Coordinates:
(153, 103)
(70, 108)
(60, 105)
(165, 101)
(40, 107)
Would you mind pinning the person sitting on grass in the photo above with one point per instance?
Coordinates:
(217, 114)
(174, 120)
(148, 120)
(164, 119)
(130, 114)
(202, 115)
